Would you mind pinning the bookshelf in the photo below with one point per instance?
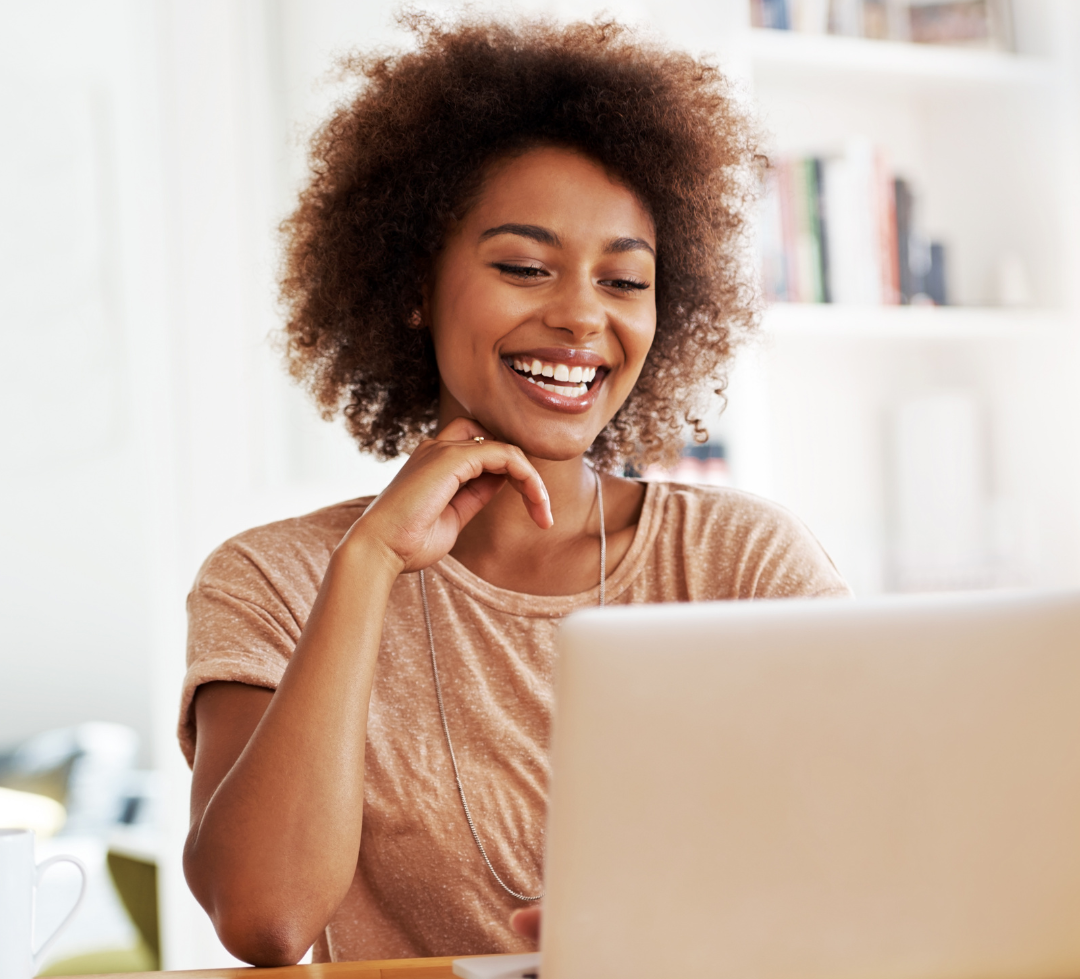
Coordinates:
(921, 324)
(866, 419)
(788, 54)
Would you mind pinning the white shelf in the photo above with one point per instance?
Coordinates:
(782, 54)
(828, 321)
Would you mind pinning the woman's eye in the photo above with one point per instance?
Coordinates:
(624, 285)
(520, 271)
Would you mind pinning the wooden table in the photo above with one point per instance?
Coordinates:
(383, 969)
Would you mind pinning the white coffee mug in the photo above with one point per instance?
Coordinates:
(19, 879)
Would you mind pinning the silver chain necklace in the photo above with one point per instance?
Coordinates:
(442, 709)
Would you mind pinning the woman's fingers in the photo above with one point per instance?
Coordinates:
(463, 428)
(509, 461)
(446, 482)
(526, 922)
(500, 458)
(475, 495)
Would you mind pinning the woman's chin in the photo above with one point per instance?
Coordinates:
(553, 449)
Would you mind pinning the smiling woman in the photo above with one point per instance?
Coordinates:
(395, 171)
(519, 254)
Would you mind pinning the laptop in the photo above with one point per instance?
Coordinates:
(816, 789)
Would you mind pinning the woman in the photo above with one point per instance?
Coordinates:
(518, 259)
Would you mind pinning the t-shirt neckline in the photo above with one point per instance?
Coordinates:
(522, 603)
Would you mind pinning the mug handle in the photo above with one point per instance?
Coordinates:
(41, 868)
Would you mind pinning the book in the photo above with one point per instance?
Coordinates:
(934, 282)
(970, 23)
(846, 17)
(772, 14)
(792, 233)
(905, 208)
(810, 16)
(822, 227)
(888, 246)
(771, 241)
(844, 229)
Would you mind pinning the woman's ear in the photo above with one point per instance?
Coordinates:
(419, 318)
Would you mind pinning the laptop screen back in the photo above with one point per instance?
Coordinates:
(817, 789)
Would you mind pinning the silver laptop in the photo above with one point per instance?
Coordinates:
(822, 789)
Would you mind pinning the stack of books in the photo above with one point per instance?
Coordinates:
(971, 23)
(842, 229)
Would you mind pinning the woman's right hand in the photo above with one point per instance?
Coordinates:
(278, 787)
(446, 482)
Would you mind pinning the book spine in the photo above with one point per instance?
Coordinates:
(885, 199)
(810, 16)
(776, 15)
(821, 207)
(934, 286)
(838, 220)
(811, 232)
(801, 240)
(845, 17)
(904, 217)
(789, 232)
(773, 260)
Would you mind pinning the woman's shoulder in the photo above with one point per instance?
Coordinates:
(284, 547)
(722, 508)
(760, 548)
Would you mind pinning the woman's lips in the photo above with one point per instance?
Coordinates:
(575, 404)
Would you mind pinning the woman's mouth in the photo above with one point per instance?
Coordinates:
(561, 379)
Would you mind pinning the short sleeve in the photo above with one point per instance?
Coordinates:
(783, 559)
(240, 628)
(251, 600)
(729, 544)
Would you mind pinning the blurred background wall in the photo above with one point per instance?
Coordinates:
(149, 149)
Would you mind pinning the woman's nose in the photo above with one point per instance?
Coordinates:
(577, 308)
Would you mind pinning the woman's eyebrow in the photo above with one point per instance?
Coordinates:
(533, 231)
(619, 245)
(548, 237)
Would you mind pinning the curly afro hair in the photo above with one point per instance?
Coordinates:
(394, 168)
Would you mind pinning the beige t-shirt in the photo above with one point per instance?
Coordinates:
(420, 886)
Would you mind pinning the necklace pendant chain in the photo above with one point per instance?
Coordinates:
(442, 708)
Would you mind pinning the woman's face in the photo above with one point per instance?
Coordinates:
(543, 305)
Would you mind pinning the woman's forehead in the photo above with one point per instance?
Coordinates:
(561, 189)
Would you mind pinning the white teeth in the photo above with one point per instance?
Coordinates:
(579, 376)
(566, 392)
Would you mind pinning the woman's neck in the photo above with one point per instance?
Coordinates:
(503, 546)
